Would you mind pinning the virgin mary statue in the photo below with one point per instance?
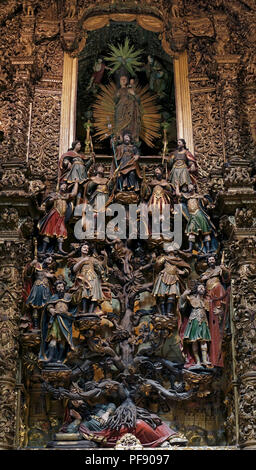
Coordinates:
(127, 116)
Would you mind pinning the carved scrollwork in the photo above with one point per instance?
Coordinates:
(207, 132)
(218, 38)
(43, 159)
(244, 301)
(246, 412)
(238, 177)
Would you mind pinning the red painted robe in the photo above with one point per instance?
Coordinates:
(148, 436)
(53, 223)
(218, 299)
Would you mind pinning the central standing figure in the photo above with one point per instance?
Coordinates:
(127, 111)
(127, 156)
(89, 272)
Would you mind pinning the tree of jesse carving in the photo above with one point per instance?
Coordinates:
(218, 133)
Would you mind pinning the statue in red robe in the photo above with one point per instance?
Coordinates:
(218, 297)
(53, 224)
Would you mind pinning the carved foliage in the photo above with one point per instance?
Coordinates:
(13, 256)
(207, 131)
(238, 177)
(7, 408)
(243, 261)
(50, 59)
(228, 92)
(45, 128)
(247, 412)
(9, 333)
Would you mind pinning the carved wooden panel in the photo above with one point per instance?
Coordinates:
(44, 147)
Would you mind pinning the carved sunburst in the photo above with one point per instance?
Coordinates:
(104, 110)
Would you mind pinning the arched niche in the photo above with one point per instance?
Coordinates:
(70, 74)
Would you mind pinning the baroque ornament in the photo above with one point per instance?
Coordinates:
(127, 340)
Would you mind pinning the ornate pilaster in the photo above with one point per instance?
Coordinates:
(248, 84)
(229, 103)
(11, 253)
(243, 263)
(24, 68)
(227, 87)
(237, 202)
(16, 228)
(46, 112)
(249, 121)
(207, 129)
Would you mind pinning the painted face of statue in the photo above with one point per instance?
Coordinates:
(77, 147)
(127, 139)
(85, 249)
(201, 289)
(180, 144)
(63, 187)
(123, 81)
(48, 260)
(60, 287)
(100, 170)
(211, 262)
(158, 174)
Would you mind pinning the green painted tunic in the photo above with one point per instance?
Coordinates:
(197, 328)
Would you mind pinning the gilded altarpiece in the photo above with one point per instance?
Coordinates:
(131, 354)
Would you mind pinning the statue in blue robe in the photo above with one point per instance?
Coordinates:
(56, 326)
